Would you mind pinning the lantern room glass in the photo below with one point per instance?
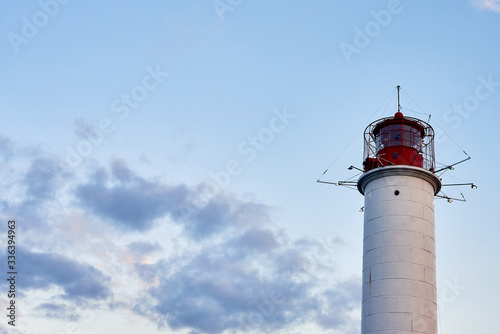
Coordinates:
(390, 135)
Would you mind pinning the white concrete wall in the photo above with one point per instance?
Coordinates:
(399, 261)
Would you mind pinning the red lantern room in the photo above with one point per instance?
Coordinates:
(399, 140)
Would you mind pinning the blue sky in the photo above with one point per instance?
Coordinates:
(160, 158)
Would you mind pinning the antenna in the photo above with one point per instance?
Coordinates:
(451, 166)
(399, 106)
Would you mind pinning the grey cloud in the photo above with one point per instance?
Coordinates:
(257, 239)
(6, 147)
(147, 272)
(58, 311)
(213, 217)
(224, 212)
(120, 170)
(141, 248)
(41, 183)
(133, 202)
(84, 129)
(219, 289)
(247, 277)
(10, 330)
(43, 178)
(251, 241)
(79, 281)
(338, 303)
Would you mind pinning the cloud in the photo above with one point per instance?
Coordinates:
(43, 178)
(253, 281)
(120, 170)
(58, 311)
(31, 192)
(257, 239)
(11, 330)
(338, 303)
(492, 5)
(84, 129)
(6, 147)
(236, 272)
(233, 270)
(142, 248)
(222, 212)
(128, 200)
(134, 203)
(79, 281)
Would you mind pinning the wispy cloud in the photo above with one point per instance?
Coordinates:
(493, 5)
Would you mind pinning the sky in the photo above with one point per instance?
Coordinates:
(160, 159)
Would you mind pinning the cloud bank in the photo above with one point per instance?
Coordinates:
(228, 268)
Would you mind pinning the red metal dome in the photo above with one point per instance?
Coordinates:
(399, 140)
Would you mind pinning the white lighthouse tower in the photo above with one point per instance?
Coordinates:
(399, 259)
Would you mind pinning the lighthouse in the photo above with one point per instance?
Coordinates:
(399, 254)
